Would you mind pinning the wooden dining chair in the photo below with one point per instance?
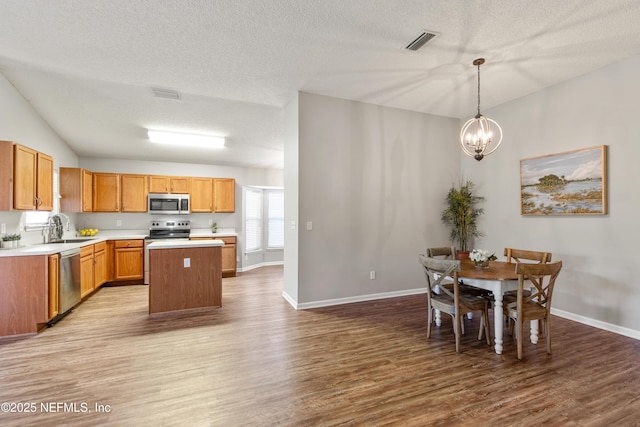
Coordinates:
(526, 256)
(451, 300)
(537, 306)
(449, 252)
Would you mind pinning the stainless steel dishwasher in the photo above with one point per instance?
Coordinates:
(69, 291)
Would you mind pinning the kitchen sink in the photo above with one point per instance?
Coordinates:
(69, 241)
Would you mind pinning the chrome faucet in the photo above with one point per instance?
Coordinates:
(54, 227)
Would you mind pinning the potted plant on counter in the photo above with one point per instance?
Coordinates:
(10, 241)
(461, 215)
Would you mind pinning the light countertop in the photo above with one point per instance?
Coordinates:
(178, 243)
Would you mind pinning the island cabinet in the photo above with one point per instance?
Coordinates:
(26, 178)
(184, 276)
(201, 195)
(87, 268)
(134, 189)
(106, 192)
(76, 190)
(24, 290)
(224, 194)
(54, 285)
(169, 184)
(229, 254)
(128, 259)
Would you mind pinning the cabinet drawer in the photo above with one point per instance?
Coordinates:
(86, 251)
(129, 243)
(100, 247)
(228, 240)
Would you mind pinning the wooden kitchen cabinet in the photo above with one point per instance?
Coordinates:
(229, 254)
(32, 179)
(134, 189)
(106, 192)
(76, 190)
(201, 195)
(99, 264)
(87, 269)
(54, 285)
(224, 195)
(169, 184)
(128, 259)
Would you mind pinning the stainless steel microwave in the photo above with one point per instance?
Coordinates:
(169, 204)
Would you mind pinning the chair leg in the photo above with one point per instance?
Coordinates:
(481, 329)
(456, 329)
(547, 329)
(519, 335)
(429, 323)
(487, 326)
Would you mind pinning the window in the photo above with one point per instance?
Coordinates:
(253, 219)
(275, 219)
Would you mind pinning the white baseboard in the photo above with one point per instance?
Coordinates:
(361, 298)
(631, 333)
(262, 264)
(349, 300)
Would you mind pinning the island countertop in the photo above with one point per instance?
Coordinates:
(178, 243)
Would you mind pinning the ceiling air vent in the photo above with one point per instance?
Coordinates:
(421, 40)
(166, 94)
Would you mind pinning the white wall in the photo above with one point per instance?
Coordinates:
(20, 123)
(597, 284)
(372, 181)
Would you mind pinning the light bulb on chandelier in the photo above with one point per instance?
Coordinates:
(480, 136)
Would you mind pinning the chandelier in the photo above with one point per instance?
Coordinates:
(480, 136)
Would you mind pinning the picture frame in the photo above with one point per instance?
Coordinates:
(567, 183)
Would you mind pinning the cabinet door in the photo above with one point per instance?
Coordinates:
(201, 195)
(106, 192)
(54, 284)
(44, 183)
(229, 256)
(180, 184)
(86, 270)
(129, 260)
(24, 178)
(224, 194)
(159, 184)
(87, 191)
(99, 264)
(134, 193)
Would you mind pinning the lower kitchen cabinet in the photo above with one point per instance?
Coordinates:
(87, 267)
(54, 284)
(99, 264)
(229, 255)
(128, 259)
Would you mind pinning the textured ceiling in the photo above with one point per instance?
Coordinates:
(88, 66)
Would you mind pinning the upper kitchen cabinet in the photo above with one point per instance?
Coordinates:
(134, 189)
(76, 190)
(201, 195)
(169, 184)
(224, 194)
(26, 178)
(106, 192)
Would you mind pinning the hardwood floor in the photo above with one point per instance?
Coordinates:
(258, 362)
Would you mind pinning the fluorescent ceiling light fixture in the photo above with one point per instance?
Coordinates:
(185, 139)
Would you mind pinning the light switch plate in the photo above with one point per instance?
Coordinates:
(118, 223)
(3, 228)
(309, 225)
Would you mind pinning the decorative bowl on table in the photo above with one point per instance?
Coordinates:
(481, 257)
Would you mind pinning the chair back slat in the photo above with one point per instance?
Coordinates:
(522, 255)
(542, 277)
(446, 252)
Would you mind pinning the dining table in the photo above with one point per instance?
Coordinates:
(498, 277)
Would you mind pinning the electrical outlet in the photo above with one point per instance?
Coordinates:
(118, 223)
(293, 224)
(309, 225)
(372, 275)
(210, 222)
(187, 262)
(3, 228)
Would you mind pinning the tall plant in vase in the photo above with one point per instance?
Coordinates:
(462, 214)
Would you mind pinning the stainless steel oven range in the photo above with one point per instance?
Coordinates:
(164, 229)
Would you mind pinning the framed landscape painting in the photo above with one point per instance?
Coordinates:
(569, 183)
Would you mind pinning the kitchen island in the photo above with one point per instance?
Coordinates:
(184, 275)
